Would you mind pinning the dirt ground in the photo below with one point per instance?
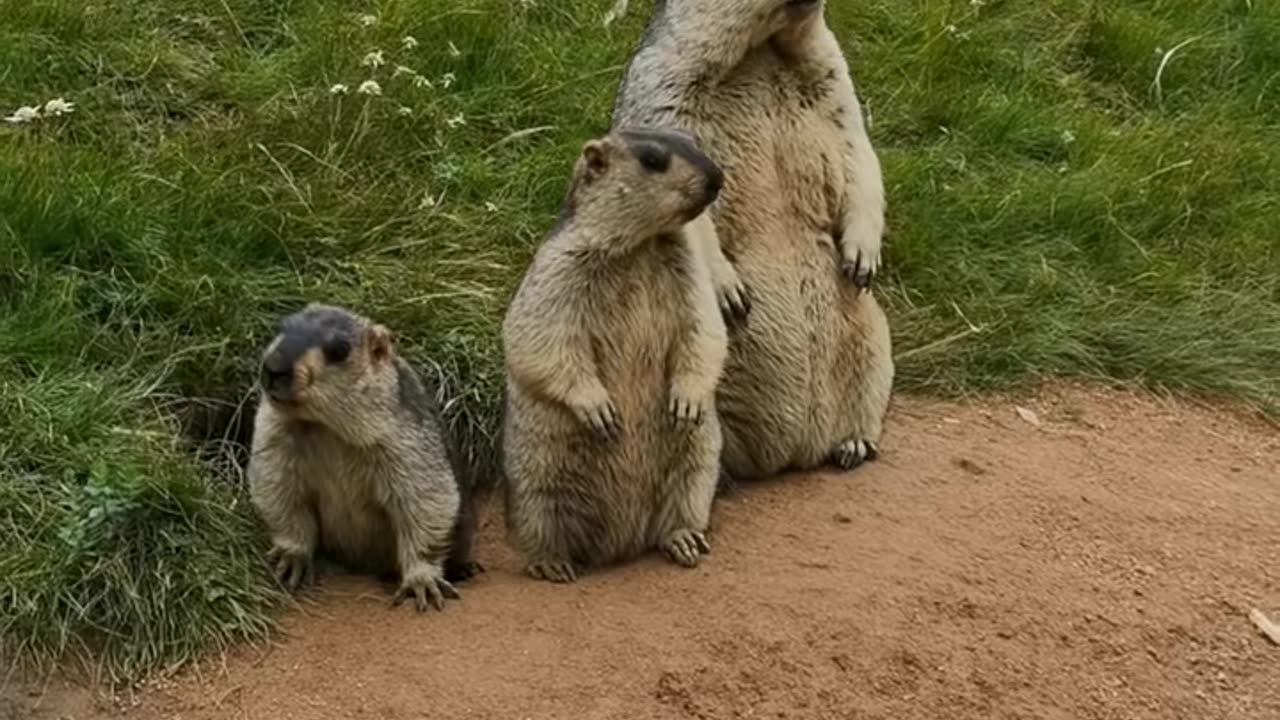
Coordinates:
(1099, 564)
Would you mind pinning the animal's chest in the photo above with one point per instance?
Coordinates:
(780, 133)
(639, 318)
(344, 489)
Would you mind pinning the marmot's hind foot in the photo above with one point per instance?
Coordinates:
(458, 571)
(556, 572)
(685, 547)
(852, 453)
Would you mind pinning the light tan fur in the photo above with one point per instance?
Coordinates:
(349, 458)
(764, 87)
(614, 345)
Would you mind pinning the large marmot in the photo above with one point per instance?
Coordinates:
(614, 345)
(349, 459)
(763, 87)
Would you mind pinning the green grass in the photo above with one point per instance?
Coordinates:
(1059, 206)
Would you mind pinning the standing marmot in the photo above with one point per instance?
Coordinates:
(348, 457)
(614, 346)
(764, 88)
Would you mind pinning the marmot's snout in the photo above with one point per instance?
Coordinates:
(714, 184)
(277, 376)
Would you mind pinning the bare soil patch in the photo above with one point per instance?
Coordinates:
(1102, 563)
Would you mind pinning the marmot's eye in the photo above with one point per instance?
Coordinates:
(337, 350)
(653, 159)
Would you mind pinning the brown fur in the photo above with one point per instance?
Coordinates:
(614, 346)
(348, 458)
(763, 86)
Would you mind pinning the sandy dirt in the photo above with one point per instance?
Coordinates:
(1100, 564)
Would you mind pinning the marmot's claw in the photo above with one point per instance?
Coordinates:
(428, 589)
(860, 272)
(685, 412)
(603, 419)
(686, 547)
(293, 569)
(852, 453)
(556, 572)
(735, 304)
(461, 571)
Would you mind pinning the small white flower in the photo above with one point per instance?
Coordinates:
(403, 70)
(339, 89)
(491, 207)
(427, 200)
(409, 42)
(373, 59)
(369, 87)
(1068, 137)
(422, 81)
(453, 50)
(58, 106)
(456, 121)
(368, 20)
(24, 115)
(404, 111)
(447, 80)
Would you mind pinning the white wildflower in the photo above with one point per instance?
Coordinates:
(368, 20)
(374, 59)
(456, 121)
(339, 89)
(403, 70)
(58, 106)
(1068, 137)
(404, 111)
(422, 81)
(409, 42)
(427, 200)
(453, 50)
(369, 87)
(24, 115)
(615, 13)
(447, 80)
(491, 207)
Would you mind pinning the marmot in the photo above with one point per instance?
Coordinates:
(763, 87)
(348, 458)
(613, 347)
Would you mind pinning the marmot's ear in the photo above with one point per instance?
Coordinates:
(595, 157)
(381, 341)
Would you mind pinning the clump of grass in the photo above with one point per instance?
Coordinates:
(1075, 188)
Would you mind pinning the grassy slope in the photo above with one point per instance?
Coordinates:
(1054, 209)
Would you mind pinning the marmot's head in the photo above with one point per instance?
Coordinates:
(644, 181)
(326, 363)
(761, 20)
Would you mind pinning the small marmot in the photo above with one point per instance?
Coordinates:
(349, 458)
(764, 88)
(613, 347)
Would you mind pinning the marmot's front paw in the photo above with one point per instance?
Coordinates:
(735, 302)
(427, 584)
(686, 547)
(601, 416)
(291, 567)
(861, 269)
(685, 411)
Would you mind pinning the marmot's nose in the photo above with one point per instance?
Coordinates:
(715, 183)
(277, 376)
